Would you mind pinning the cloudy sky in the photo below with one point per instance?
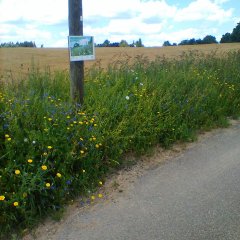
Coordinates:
(154, 21)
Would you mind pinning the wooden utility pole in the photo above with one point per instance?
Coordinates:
(75, 22)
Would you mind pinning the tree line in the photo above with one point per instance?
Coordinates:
(122, 43)
(226, 38)
(18, 44)
(232, 37)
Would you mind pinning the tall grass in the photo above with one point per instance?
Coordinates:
(52, 150)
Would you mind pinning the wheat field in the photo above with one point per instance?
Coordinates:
(14, 61)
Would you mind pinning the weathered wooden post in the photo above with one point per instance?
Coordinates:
(75, 22)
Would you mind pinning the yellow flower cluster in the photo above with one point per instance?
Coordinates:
(2, 198)
(7, 137)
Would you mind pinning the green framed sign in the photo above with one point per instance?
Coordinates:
(81, 48)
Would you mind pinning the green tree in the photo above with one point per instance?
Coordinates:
(106, 43)
(139, 43)
(235, 36)
(167, 44)
(209, 39)
(226, 38)
(123, 43)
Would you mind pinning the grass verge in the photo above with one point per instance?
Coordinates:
(52, 150)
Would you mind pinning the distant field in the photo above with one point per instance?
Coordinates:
(16, 60)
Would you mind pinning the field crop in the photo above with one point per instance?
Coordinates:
(15, 61)
(52, 150)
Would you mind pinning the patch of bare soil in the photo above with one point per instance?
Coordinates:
(118, 184)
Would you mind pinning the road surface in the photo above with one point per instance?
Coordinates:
(194, 196)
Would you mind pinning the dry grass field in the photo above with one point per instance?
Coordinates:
(19, 60)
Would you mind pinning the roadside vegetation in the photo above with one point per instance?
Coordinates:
(52, 150)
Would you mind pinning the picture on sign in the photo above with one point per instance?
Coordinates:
(81, 48)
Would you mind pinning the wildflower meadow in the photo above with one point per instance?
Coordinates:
(53, 150)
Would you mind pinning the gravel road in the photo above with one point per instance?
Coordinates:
(194, 196)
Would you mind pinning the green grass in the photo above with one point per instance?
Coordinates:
(82, 50)
(52, 151)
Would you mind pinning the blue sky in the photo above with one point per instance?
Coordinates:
(154, 21)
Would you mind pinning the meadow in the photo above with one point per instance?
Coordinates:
(53, 150)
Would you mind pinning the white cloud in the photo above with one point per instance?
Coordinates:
(109, 8)
(44, 11)
(153, 20)
(59, 43)
(203, 10)
(159, 9)
(10, 32)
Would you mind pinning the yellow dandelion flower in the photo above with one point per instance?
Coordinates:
(48, 185)
(100, 183)
(100, 195)
(83, 171)
(82, 152)
(9, 139)
(49, 119)
(97, 145)
(94, 139)
(81, 139)
(2, 198)
(49, 147)
(17, 172)
(30, 160)
(45, 154)
(81, 123)
(93, 197)
(44, 167)
(59, 175)
(7, 136)
(15, 204)
(68, 117)
(95, 125)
